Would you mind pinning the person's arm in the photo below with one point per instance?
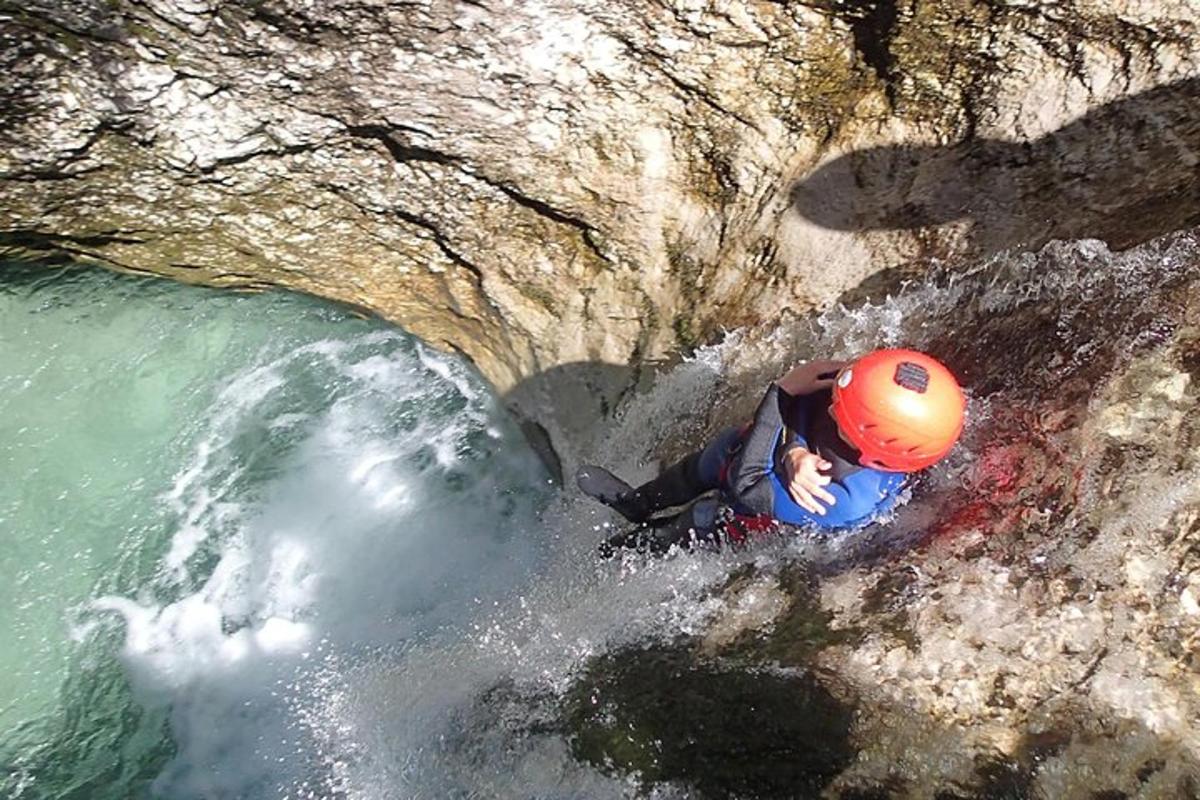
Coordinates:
(749, 475)
(810, 376)
(748, 478)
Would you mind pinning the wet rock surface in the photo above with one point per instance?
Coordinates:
(723, 730)
(560, 192)
(1026, 627)
(546, 184)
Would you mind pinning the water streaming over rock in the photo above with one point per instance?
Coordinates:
(266, 549)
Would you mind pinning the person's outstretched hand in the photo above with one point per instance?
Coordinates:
(806, 484)
(810, 376)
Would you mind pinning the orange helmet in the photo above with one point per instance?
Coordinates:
(902, 409)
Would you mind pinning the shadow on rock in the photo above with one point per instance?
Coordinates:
(1124, 173)
(561, 407)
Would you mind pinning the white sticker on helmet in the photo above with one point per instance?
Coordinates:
(844, 379)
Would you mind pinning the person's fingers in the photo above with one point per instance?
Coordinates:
(808, 495)
(812, 467)
(805, 500)
(813, 506)
(820, 493)
(815, 488)
(811, 480)
(806, 484)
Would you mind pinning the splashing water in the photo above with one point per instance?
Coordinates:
(236, 487)
(269, 550)
(1035, 337)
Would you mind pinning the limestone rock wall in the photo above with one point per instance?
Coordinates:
(538, 183)
(1027, 627)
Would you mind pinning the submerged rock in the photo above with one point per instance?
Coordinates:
(723, 730)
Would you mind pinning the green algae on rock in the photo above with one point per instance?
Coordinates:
(662, 715)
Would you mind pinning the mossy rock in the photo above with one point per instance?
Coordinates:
(662, 715)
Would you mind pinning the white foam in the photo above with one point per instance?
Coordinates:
(350, 537)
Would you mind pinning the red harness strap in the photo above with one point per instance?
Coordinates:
(740, 527)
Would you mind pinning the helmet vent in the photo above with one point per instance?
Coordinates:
(912, 376)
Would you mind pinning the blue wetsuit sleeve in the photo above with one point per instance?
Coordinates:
(889, 492)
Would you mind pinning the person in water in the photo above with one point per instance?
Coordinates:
(830, 446)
